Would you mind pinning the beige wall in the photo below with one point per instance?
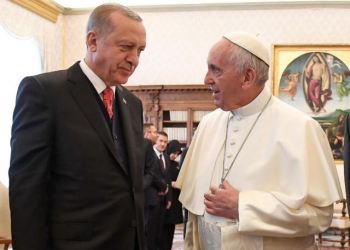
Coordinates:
(178, 42)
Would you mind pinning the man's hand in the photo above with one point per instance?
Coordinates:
(168, 205)
(222, 202)
(160, 193)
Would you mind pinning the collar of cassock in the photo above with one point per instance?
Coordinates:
(255, 106)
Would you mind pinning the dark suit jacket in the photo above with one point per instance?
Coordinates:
(152, 175)
(168, 196)
(152, 196)
(174, 214)
(347, 157)
(183, 156)
(69, 188)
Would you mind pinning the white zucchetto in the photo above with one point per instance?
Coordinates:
(250, 43)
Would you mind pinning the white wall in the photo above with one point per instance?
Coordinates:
(178, 42)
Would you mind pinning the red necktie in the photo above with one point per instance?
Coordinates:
(161, 163)
(108, 100)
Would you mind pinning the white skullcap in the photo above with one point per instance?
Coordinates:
(250, 43)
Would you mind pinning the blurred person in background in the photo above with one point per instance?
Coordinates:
(174, 214)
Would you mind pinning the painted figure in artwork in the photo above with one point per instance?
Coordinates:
(314, 78)
(292, 82)
(336, 137)
(342, 89)
(316, 82)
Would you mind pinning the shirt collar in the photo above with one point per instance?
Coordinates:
(256, 105)
(98, 84)
(157, 152)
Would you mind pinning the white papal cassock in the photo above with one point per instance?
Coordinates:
(285, 173)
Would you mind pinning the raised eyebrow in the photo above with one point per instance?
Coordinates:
(212, 66)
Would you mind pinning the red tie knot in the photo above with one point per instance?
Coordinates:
(108, 100)
(108, 94)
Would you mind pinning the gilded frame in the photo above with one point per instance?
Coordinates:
(315, 78)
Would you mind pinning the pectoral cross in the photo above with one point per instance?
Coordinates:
(222, 183)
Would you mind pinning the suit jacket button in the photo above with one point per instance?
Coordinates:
(133, 223)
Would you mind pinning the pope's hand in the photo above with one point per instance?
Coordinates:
(222, 202)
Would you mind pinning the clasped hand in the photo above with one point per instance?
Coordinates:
(222, 202)
(160, 193)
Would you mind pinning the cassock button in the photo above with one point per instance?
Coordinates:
(239, 118)
(229, 156)
(133, 223)
(236, 130)
(232, 142)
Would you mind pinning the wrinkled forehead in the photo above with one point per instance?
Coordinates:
(222, 45)
(220, 50)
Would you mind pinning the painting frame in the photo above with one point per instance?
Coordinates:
(299, 57)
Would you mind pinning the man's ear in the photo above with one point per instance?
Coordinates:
(249, 78)
(91, 40)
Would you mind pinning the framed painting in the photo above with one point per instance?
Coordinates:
(315, 78)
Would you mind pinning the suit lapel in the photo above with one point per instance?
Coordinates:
(167, 162)
(82, 92)
(125, 121)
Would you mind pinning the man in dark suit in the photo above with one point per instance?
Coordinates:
(76, 169)
(156, 204)
(173, 215)
(150, 132)
(152, 175)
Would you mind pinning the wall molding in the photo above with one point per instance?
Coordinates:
(42, 8)
(266, 5)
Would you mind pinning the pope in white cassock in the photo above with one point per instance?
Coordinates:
(259, 174)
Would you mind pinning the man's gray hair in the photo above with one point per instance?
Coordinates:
(99, 19)
(243, 59)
